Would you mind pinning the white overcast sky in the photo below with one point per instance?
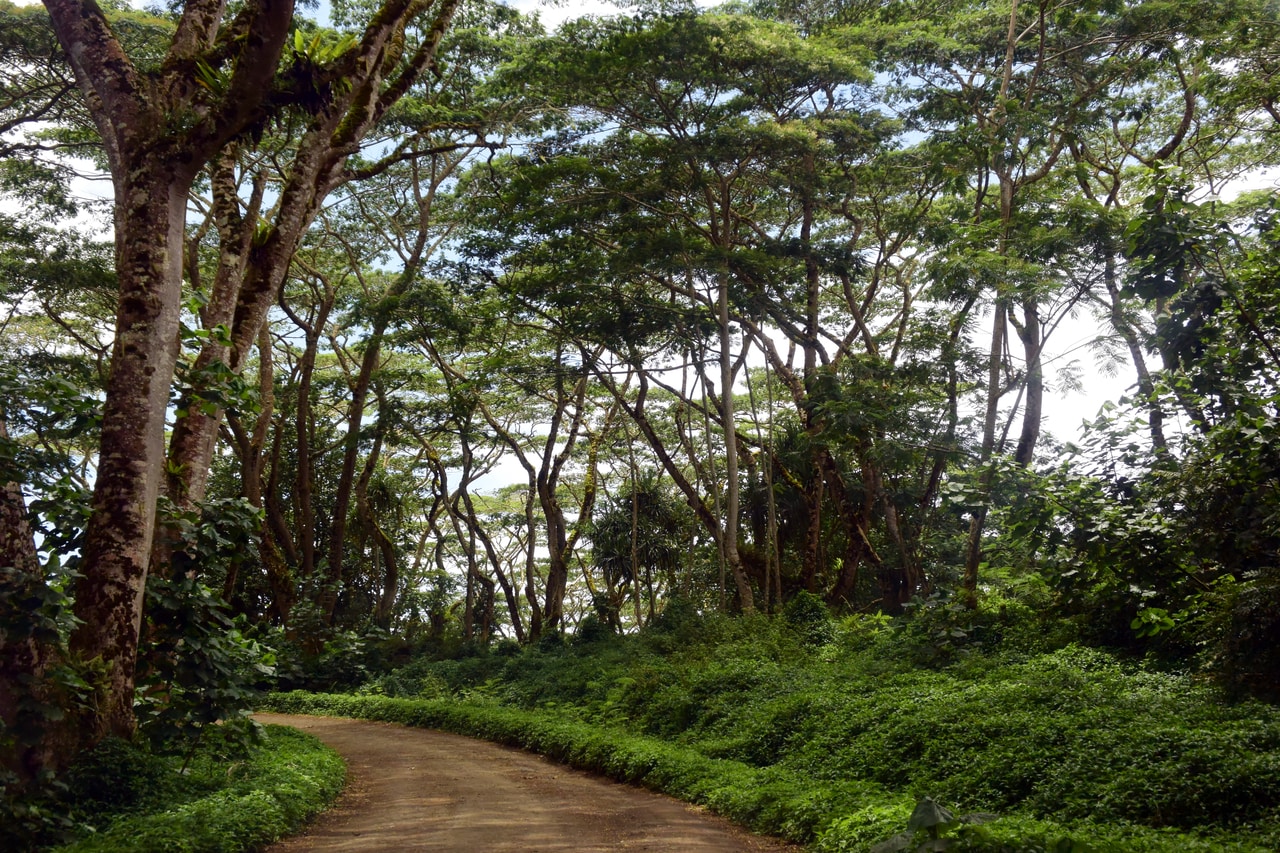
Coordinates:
(555, 12)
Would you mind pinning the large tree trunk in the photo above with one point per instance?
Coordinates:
(153, 158)
(159, 127)
(195, 435)
(150, 208)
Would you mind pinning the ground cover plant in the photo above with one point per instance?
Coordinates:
(833, 739)
(220, 797)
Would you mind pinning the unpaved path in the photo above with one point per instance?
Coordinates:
(421, 790)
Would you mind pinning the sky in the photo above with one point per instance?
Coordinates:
(555, 12)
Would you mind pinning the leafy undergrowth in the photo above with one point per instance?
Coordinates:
(214, 804)
(829, 747)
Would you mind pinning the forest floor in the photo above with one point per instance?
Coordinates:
(420, 790)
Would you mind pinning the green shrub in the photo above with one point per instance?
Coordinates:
(115, 776)
(215, 806)
(807, 615)
(197, 667)
(1069, 735)
(862, 827)
(837, 815)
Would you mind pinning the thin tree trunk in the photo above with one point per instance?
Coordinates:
(1146, 386)
(304, 425)
(277, 523)
(636, 410)
(722, 557)
(732, 486)
(1032, 346)
(304, 492)
(772, 566)
(813, 491)
(634, 550)
(385, 606)
(973, 550)
(30, 744)
(531, 562)
(495, 563)
(279, 577)
(857, 547)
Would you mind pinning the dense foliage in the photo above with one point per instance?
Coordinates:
(833, 740)
(426, 334)
(220, 797)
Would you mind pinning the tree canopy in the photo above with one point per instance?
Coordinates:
(424, 328)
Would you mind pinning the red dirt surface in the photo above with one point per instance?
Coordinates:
(421, 790)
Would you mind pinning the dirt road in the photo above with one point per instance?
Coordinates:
(419, 790)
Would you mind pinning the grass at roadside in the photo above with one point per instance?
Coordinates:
(215, 804)
(840, 816)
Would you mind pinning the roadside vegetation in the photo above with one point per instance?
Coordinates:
(228, 793)
(833, 733)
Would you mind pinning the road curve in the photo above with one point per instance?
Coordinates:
(420, 790)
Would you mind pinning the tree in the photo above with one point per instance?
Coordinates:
(697, 217)
(1174, 108)
(639, 540)
(311, 158)
(160, 122)
(58, 293)
(1010, 86)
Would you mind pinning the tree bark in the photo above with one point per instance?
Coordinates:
(303, 487)
(732, 486)
(386, 603)
(1031, 336)
(26, 649)
(253, 461)
(373, 81)
(1146, 385)
(973, 549)
(150, 210)
(154, 156)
